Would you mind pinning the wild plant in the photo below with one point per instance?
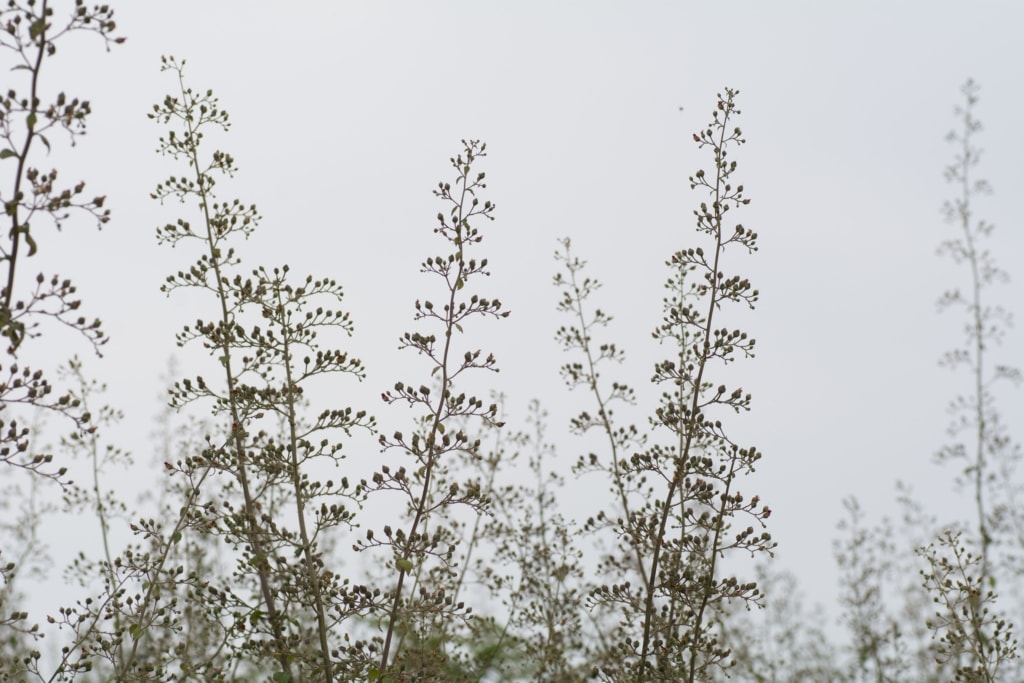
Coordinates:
(586, 372)
(961, 581)
(32, 198)
(24, 508)
(987, 447)
(33, 304)
(424, 545)
(237, 573)
(973, 636)
(687, 488)
(870, 567)
(534, 567)
(265, 340)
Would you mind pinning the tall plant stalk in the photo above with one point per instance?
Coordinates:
(432, 442)
(969, 636)
(266, 369)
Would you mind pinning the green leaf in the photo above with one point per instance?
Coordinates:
(31, 120)
(374, 673)
(8, 153)
(136, 631)
(31, 243)
(282, 677)
(36, 28)
(403, 565)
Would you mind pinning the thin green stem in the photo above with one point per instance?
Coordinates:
(978, 334)
(689, 427)
(312, 573)
(602, 409)
(432, 451)
(16, 228)
(237, 430)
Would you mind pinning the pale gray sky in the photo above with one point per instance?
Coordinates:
(345, 114)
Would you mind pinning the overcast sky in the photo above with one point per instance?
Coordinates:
(345, 115)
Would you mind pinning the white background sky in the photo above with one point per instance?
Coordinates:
(345, 115)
